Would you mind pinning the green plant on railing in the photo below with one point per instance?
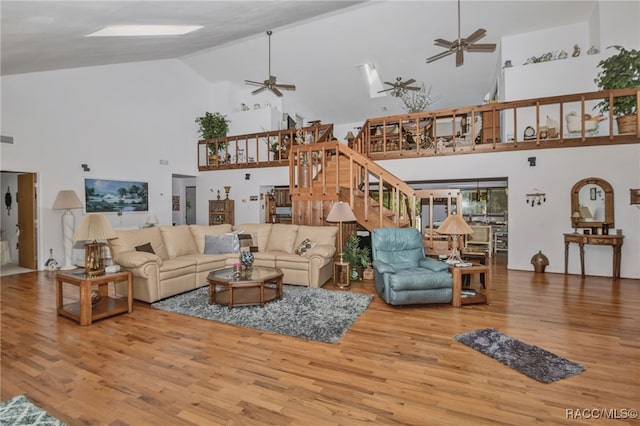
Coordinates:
(619, 71)
(357, 257)
(213, 126)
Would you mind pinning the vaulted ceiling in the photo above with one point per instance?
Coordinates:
(323, 61)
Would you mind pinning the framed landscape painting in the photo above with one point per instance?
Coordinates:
(115, 196)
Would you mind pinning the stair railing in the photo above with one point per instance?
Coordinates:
(328, 171)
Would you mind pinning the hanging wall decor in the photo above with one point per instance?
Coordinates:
(8, 200)
(536, 198)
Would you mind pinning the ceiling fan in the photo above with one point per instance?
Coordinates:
(270, 83)
(400, 86)
(461, 44)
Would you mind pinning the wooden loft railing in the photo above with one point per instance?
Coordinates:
(264, 149)
(496, 127)
(332, 171)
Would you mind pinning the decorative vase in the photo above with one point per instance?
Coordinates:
(95, 297)
(539, 261)
(246, 258)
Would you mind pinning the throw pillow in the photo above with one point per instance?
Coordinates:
(220, 244)
(245, 241)
(304, 247)
(146, 248)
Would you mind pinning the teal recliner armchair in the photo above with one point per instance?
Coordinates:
(402, 273)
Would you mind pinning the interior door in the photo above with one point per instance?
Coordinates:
(27, 250)
(190, 205)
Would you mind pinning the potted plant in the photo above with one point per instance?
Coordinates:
(620, 71)
(213, 126)
(358, 257)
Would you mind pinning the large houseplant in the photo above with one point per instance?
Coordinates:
(620, 71)
(358, 257)
(213, 126)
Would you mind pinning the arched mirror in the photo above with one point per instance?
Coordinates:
(592, 203)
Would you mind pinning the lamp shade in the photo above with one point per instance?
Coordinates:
(585, 213)
(341, 212)
(454, 225)
(152, 219)
(94, 227)
(67, 199)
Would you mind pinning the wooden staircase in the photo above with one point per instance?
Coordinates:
(323, 173)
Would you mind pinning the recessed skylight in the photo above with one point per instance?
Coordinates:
(144, 30)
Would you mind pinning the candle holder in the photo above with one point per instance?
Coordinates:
(227, 189)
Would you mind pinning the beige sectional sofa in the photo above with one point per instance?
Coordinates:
(177, 258)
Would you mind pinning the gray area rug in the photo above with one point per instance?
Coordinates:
(530, 360)
(307, 313)
(18, 411)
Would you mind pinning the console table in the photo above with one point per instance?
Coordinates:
(615, 241)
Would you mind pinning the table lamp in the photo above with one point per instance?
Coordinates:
(152, 220)
(455, 226)
(94, 227)
(340, 212)
(66, 200)
(575, 216)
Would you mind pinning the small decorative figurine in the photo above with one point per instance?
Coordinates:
(592, 50)
(576, 51)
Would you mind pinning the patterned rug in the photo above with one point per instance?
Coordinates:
(530, 360)
(307, 313)
(18, 411)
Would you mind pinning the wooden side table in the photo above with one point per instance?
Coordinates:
(82, 311)
(482, 295)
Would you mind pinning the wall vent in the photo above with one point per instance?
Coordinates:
(6, 139)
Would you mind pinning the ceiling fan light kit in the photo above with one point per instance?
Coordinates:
(270, 83)
(461, 44)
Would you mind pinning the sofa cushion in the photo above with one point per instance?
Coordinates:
(220, 244)
(129, 239)
(178, 240)
(247, 241)
(320, 234)
(304, 248)
(145, 248)
(260, 230)
(282, 237)
(199, 231)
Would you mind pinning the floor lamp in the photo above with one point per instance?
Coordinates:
(66, 200)
(341, 212)
(455, 226)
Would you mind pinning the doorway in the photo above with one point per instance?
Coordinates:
(19, 220)
(190, 205)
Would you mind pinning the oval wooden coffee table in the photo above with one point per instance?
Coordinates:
(256, 287)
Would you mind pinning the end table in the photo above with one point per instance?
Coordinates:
(82, 311)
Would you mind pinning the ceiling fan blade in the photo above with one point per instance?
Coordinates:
(412, 88)
(260, 90)
(285, 86)
(459, 57)
(254, 83)
(481, 47)
(439, 56)
(477, 35)
(276, 91)
(386, 90)
(442, 42)
(408, 82)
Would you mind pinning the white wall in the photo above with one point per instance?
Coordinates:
(121, 120)
(541, 227)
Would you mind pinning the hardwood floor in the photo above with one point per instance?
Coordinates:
(396, 365)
